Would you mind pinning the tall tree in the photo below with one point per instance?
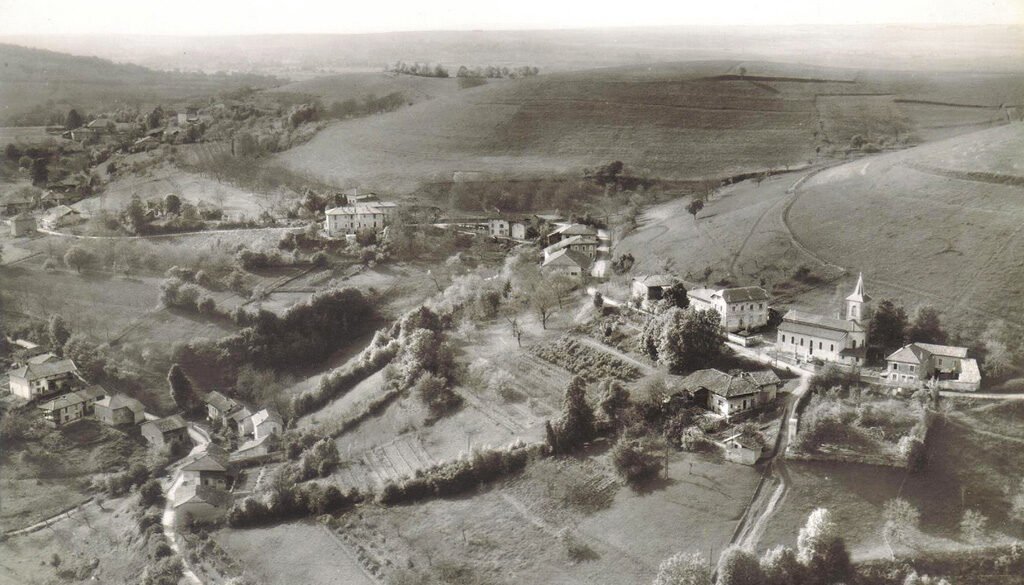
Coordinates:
(927, 326)
(901, 520)
(78, 258)
(695, 207)
(1004, 349)
(73, 120)
(39, 171)
(676, 296)
(181, 388)
(576, 425)
(781, 567)
(59, 334)
(822, 551)
(684, 339)
(172, 204)
(888, 326)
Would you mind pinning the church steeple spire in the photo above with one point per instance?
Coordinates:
(858, 304)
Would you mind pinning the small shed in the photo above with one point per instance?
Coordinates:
(22, 224)
(742, 449)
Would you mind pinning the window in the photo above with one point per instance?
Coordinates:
(912, 368)
(821, 345)
(831, 347)
(801, 342)
(783, 338)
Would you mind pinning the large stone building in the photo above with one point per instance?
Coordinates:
(35, 378)
(740, 308)
(917, 364)
(832, 339)
(349, 219)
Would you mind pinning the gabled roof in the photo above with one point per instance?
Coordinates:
(168, 424)
(730, 385)
(745, 441)
(575, 229)
(93, 392)
(566, 257)
(820, 321)
(61, 211)
(909, 354)
(253, 443)
(203, 494)
(241, 414)
(796, 328)
(943, 350)
(381, 207)
(63, 401)
(206, 462)
(744, 294)
(267, 414)
(222, 403)
(570, 241)
(119, 401)
(655, 280)
(42, 358)
(44, 370)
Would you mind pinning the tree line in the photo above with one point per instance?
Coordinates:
(479, 72)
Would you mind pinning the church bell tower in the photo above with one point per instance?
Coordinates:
(858, 304)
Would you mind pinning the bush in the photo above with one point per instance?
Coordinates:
(151, 494)
(456, 477)
(636, 460)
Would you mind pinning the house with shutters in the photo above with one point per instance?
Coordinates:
(739, 308)
(583, 245)
(566, 262)
(348, 219)
(732, 393)
(36, 379)
(947, 367)
(842, 340)
(206, 465)
(64, 409)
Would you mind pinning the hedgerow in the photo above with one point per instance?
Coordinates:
(590, 364)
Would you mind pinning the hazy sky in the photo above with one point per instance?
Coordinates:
(211, 17)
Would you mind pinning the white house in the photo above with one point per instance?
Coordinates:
(584, 245)
(566, 262)
(266, 422)
(349, 219)
(33, 379)
(740, 308)
(916, 364)
(61, 216)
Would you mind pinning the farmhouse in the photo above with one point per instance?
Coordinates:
(22, 224)
(18, 201)
(207, 466)
(64, 409)
(651, 287)
(498, 228)
(200, 503)
(166, 432)
(566, 262)
(220, 407)
(585, 245)
(33, 380)
(844, 341)
(241, 420)
(947, 366)
(732, 393)
(256, 448)
(266, 422)
(570, 230)
(740, 308)
(61, 216)
(119, 410)
(518, 229)
(92, 394)
(349, 219)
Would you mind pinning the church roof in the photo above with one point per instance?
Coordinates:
(858, 292)
(819, 321)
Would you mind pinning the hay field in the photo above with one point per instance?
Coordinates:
(357, 86)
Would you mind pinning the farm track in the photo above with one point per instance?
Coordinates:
(953, 419)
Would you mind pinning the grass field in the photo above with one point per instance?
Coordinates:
(651, 119)
(357, 86)
(274, 555)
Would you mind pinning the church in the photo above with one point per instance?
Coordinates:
(841, 340)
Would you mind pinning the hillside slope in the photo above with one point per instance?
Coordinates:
(357, 86)
(678, 121)
(941, 223)
(35, 84)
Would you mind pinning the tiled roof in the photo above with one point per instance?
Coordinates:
(744, 294)
(265, 415)
(93, 392)
(63, 401)
(206, 462)
(812, 319)
(168, 424)
(45, 370)
(943, 350)
(655, 280)
(812, 330)
(566, 257)
(575, 229)
(42, 358)
(191, 492)
(909, 354)
(118, 401)
(221, 402)
(729, 385)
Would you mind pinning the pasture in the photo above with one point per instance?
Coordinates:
(357, 86)
(965, 470)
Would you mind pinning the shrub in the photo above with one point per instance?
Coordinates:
(589, 363)
(636, 460)
(151, 494)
